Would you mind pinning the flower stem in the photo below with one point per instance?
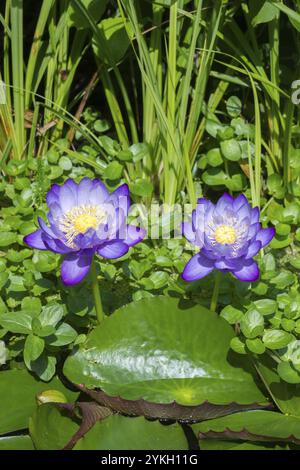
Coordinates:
(215, 296)
(96, 293)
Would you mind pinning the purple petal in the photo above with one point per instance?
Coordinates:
(55, 245)
(254, 216)
(253, 249)
(224, 202)
(198, 267)
(199, 215)
(73, 187)
(253, 229)
(113, 250)
(54, 225)
(88, 239)
(98, 193)
(248, 271)
(205, 202)
(84, 187)
(45, 228)
(240, 201)
(210, 254)
(228, 264)
(188, 232)
(75, 266)
(53, 195)
(120, 198)
(67, 197)
(244, 212)
(56, 212)
(34, 240)
(265, 235)
(134, 235)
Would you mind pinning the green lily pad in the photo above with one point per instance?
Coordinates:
(121, 433)
(216, 444)
(16, 443)
(253, 426)
(163, 358)
(53, 427)
(18, 390)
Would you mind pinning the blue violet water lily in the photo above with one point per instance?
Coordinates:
(85, 219)
(228, 235)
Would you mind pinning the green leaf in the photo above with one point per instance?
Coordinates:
(252, 324)
(113, 171)
(115, 40)
(16, 443)
(231, 314)
(64, 335)
(44, 367)
(159, 279)
(51, 428)
(214, 177)
(101, 125)
(217, 444)
(141, 187)
(238, 345)
(276, 339)
(231, 150)
(3, 353)
(7, 238)
(18, 390)
(109, 145)
(265, 12)
(285, 395)
(121, 357)
(288, 373)
(16, 322)
(266, 306)
(34, 346)
(125, 156)
(225, 133)
(287, 324)
(65, 164)
(44, 261)
(214, 157)
(253, 426)
(4, 276)
(275, 185)
(236, 182)
(121, 433)
(139, 151)
(234, 106)
(31, 304)
(95, 8)
(255, 345)
(51, 314)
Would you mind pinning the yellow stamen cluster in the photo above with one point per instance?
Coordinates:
(79, 219)
(85, 221)
(225, 235)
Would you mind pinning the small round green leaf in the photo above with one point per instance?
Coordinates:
(231, 150)
(276, 339)
(234, 106)
(252, 324)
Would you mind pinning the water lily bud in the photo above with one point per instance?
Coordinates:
(51, 396)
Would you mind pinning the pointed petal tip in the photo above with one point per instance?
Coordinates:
(34, 240)
(249, 272)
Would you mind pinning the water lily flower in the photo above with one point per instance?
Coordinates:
(85, 219)
(228, 235)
